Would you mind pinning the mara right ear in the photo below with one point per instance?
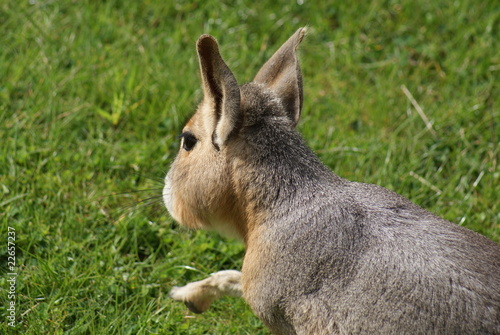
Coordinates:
(220, 90)
(281, 74)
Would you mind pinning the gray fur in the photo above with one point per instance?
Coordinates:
(358, 255)
(338, 257)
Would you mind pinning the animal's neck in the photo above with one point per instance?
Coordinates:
(282, 177)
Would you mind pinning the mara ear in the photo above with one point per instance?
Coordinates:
(281, 74)
(220, 90)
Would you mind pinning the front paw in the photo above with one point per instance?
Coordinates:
(193, 296)
(199, 295)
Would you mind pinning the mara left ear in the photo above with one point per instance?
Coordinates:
(220, 89)
(281, 74)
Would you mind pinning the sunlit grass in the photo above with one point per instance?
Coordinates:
(93, 95)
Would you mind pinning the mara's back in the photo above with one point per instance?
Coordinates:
(363, 259)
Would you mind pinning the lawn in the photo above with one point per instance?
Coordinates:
(93, 95)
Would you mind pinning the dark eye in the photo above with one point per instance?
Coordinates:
(188, 141)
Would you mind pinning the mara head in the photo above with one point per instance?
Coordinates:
(232, 127)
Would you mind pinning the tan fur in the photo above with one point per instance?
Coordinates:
(212, 207)
(200, 295)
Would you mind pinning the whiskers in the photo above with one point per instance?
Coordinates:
(146, 201)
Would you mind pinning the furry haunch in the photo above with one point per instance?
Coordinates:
(323, 255)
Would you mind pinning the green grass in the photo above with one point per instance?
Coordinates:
(94, 93)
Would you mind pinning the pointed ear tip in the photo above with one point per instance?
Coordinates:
(301, 32)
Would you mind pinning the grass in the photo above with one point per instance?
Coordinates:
(93, 95)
